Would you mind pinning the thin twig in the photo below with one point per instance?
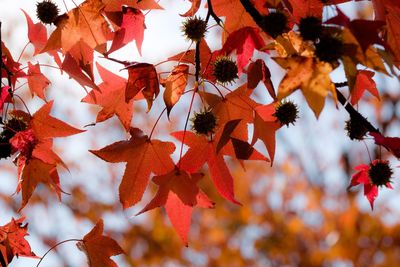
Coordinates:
(59, 243)
(212, 13)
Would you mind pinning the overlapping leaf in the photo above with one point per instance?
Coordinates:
(178, 193)
(175, 85)
(111, 98)
(99, 248)
(309, 75)
(143, 157)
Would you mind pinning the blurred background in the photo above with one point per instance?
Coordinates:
(296, 213)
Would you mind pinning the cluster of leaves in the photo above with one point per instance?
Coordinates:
(291, 33)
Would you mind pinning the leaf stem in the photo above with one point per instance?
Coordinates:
(155, 124)
(186, 123)
(59, 243)
(23, 50)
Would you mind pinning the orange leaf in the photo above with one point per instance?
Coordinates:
(142, 78)
(46, 126)
(175, 85)
(99, 248)
(193, 9)
(12, 241)
(265, 126)
(83, 23)
(236, 15)
(178, 192)
(363, 82)
(34, 172)
(37, 82)
(202, 151)
(111, 98)
(143, 157)
(115, 5)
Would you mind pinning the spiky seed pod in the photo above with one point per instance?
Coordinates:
(310, 28)
(286, 113)
(380, 172)
(194, 28)
(329, 48)
(275, 23)
(47, 11)
(355, 129)
(204, 122)
(225, 70)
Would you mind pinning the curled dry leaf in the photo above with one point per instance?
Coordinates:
(175, 85)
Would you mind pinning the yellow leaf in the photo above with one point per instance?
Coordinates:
(309, 75)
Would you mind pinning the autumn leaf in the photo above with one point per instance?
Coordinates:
(34, 172)
(131, 28)
(5, 97)
(36, 161)
(99, 248)
(235, 15)
(311, 76)
(46, 126)
(37, 34)
(178, 193)
(392, 144)
(358, 26)
(244, 41)
(202, 151)
(143, 157)
(71, 67)
(362, 176)
(142, 78)
(37, 82)
(257, 72)
(83, 23)
(175, 85)
(111, 98)
(115, 5)
(265, 127)
(305, 8)
(193, 9)
(13, 242)
(363, 82)
(235, 105)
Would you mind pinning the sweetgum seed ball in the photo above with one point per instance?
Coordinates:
(194, 28)
(47, 11)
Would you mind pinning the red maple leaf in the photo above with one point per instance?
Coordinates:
(178, 193)
(257, 72)
(362, 177)
(202, 151)
(12, 241)
(390, 143)
(37, 82)
(142, 78)
(5, 96)
(244, 41)
(111, 97)
(265, 126)
(143, 157)
(99, 248)
(131, 28)
(36, 161)
(363, 82)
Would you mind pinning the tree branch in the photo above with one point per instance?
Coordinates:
(212, 14)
